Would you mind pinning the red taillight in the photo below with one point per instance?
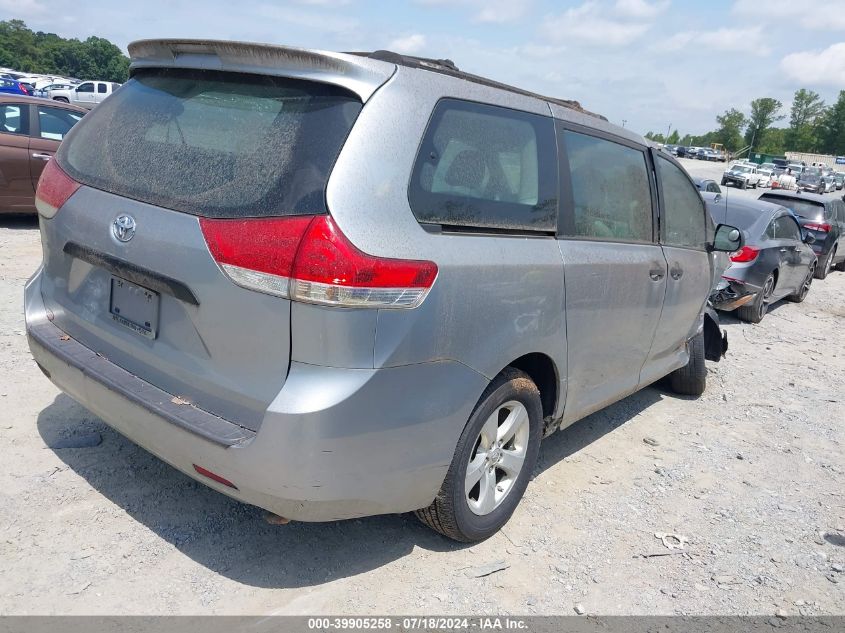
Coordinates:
(54, 189)
(23, 89)
(307, 258)
(214, 476)
(745, 254)
(824, 227)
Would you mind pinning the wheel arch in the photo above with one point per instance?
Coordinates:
(543, 371)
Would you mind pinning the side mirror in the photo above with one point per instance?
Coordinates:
(728, 239)
(809, 238)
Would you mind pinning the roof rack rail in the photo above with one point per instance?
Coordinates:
(448, 67)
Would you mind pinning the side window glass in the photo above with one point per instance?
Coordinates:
(683, 221)
(787, 229)
(54, 123)
(771, 232)
(101, 88)
(89, 87)
(487, 167)
(14, 119)
(610, 188)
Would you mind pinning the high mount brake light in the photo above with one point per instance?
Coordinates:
(307, 258)
(54, 189)
(745, 254)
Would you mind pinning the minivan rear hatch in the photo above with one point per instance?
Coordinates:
(127, 269)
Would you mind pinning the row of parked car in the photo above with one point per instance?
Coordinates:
(85, 94)
(791, 176)
(790, 238)
(715, 153)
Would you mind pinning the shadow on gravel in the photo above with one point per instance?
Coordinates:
(573, 438)
(232, 539)
(16, 221)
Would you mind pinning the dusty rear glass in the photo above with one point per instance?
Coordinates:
(803, 208)
(214, 144)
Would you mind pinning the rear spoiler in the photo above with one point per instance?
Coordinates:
(361, 75)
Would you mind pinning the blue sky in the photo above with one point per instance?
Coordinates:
(651, 63)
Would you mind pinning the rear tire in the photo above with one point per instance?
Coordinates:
(62, 99)
(802, 293)
(823, 268)
(755, 312)
(451, 513)
(691, 379)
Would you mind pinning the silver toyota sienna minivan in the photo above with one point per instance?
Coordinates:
(335, 285)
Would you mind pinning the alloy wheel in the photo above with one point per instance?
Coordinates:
(768, 289)
(498, 457)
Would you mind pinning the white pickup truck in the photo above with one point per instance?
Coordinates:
(743, 175)
(86, 95)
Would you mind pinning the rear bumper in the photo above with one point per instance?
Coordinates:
(731, 294)
(334, 444)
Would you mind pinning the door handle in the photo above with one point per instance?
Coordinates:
(656, 274)
(784, 249)
(42, 156)
(676, 273)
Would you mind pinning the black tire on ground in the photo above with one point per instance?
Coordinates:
(744, 184)
(824, 266)
(450, 513)
(691, 379)
(724, 182)
(804, 290)
(62, 99)
(756, 310)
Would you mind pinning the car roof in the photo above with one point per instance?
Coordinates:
(750, 215)
(792, 195)
(10, 98)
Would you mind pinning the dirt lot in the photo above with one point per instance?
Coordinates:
(751, 475)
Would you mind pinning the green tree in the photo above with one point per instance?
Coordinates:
(764, 112)
(807, 111)
(731, 124)
(774, 141)
(832, 128)
(47, 53)
(674, 137)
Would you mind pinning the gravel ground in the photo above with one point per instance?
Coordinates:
(750, 477)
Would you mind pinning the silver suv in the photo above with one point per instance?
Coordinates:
(337, 285)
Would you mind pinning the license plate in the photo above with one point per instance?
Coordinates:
(134, 306)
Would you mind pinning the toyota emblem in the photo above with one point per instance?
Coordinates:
(123, 227)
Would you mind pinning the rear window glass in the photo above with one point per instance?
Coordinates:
(487, 167)
(214, 144)
(803, 208)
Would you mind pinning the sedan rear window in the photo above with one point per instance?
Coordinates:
(802, 208)
(214, 144)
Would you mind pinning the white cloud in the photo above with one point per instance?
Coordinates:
(319, 21)
(22, 9)
(503, 11)
(640, 8)
(817, 67)
(410, 45)
(722, 40)
(491, 11)
(816, 15)
(587, 24)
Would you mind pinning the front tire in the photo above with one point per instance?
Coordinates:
(691, 379)
(61, 99)
(493, 461)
